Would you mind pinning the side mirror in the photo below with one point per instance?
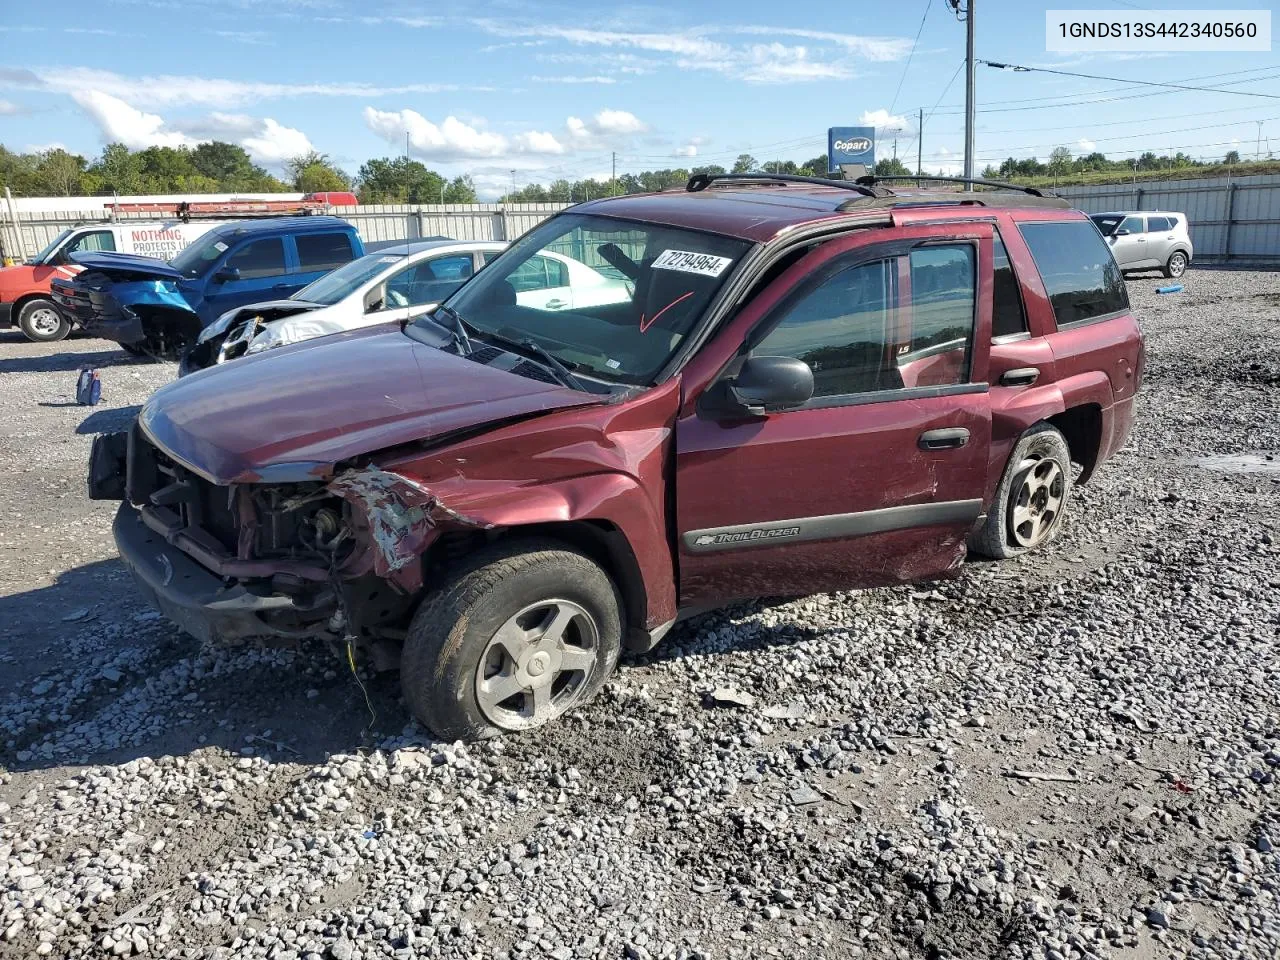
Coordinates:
(226, 274)
(763, 385)
(1122, 233)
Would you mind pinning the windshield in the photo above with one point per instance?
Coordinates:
(609, 298)
(341, 283)
(44, 255)
(196, 258)
(1107, 222)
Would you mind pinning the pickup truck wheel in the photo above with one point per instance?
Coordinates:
(1032, 497)
(522, 633)
(42, 321)
(1176, 266)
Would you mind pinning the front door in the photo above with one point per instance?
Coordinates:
(1130, 243)
(880, 477)
(253, 272)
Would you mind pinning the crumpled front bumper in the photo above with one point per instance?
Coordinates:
(109, 310)
(195, 599)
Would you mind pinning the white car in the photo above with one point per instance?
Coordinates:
(397, 282)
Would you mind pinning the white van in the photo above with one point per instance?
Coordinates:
(160, 239)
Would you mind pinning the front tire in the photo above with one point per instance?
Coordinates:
(1032, 498)
(1176, 265)
(525, 631)
(41, 321)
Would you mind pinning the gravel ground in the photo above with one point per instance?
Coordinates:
(1071, 755)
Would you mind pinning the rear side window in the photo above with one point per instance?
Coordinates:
(1078, 270)
(322, 251)
(1158, 225)
(261, 258)
(1008, 317)
(539, 273)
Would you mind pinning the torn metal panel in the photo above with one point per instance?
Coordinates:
(403, 517)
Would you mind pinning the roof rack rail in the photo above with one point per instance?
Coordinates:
(871, 180)
(700, 181)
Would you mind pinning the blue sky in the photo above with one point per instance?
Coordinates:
(552, 90)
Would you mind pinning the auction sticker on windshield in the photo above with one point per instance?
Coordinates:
(686, 261)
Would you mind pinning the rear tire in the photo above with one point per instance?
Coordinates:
(524, 631)
(41, 321)
(1176, 265)
(1032, 497)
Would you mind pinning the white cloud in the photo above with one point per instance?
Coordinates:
(450, 140)
(255, 38)
(688, 150)
(44, 147)
(536, 141)
(883, 121)
(779, 63)
(1086, 145)
(8, 108)
(596, 79)
(120, 122)
(217, 93)
(267, 140)
(684, 44)
(618, 121)
(868, 48)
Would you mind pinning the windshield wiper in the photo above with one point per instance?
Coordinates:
(549, 359)
(458, 328)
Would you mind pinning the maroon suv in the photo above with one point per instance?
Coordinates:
(757, 386)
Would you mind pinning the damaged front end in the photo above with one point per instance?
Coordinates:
(139, 305)
(302, 554)
(231, 334)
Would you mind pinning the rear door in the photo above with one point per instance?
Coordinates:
(315, 255)
(879, 478)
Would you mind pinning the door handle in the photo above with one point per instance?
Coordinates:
(1021, 377)
(944, 439)
(281, 286)
(555, 303)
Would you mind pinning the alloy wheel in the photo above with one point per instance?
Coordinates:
(537, 664)
(1037, 507)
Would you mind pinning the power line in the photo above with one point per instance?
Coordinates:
(919, 30)
(1142, 83)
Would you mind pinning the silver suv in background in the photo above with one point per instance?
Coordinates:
(1147, 239)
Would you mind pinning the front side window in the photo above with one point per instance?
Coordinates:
(260, 258)
(844, 330)
(1132, 225)
(97, 240)
(322, 251)
(609, 298)
(1078, 270)
(861, 331)
(347, 279)
(1008, 317)
(1107, 223)
(195, 259)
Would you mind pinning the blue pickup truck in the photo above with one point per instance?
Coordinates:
(158, 308)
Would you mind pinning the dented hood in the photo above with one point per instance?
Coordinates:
(289, 415)
(129, 266)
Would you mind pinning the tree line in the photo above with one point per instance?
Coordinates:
(217, 167)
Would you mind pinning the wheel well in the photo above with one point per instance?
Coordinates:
(601, 541)
(21, 303)
(1082, 428)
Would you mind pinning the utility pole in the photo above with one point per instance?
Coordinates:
(920, 145)
(1258, 151)
(968, 94)
(513, 183)
(406, 144)
(615, 165)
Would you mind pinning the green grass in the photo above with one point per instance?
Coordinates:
(1128, 176)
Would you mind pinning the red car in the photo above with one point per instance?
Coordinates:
(806, 386)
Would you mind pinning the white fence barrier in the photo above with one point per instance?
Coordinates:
(462, 221)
